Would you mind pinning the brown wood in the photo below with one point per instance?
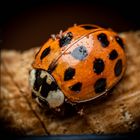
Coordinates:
(21, 115)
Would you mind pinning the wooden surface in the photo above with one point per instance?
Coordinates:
(20, 115)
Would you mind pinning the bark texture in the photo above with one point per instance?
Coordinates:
(20, 114)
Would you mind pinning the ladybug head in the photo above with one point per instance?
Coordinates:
(45, 88)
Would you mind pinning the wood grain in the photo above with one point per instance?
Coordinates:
(20, 114)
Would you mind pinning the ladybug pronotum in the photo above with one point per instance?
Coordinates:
(77, 65)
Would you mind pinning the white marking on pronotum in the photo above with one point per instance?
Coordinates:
(43, 74)
(55, 98)
(32, 78)
(49, 79)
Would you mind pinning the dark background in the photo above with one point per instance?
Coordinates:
(29, 23)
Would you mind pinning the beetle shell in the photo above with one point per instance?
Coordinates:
(85, 61)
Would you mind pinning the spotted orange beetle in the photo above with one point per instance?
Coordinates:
(77, 65)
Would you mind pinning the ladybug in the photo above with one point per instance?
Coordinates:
(78, 65)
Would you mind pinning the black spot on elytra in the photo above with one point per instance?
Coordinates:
(66, 39)
(45, 52)
(38, 80)
(113, 55)
(88, 27)
(118, 68)
(119, 41)
(100, 85)
(69, 73)
(98, 66)
(79, 53)
(76, 87)
(102, 37)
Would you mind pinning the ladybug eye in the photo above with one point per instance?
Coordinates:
(65, 40)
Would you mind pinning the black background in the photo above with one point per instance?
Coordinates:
(29, 23)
